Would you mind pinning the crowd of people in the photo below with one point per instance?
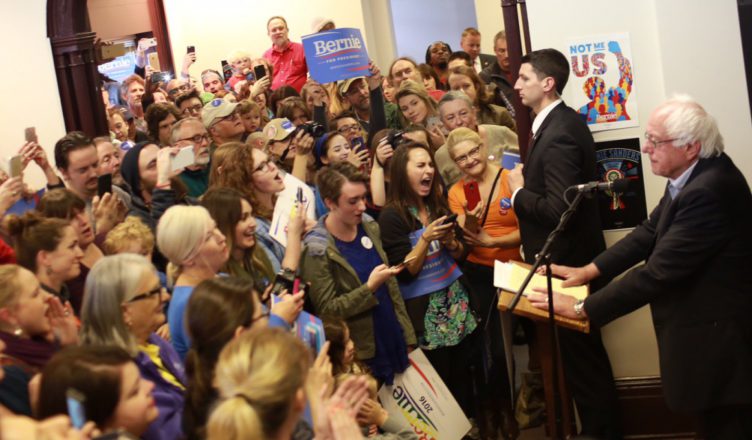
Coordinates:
(164, 301)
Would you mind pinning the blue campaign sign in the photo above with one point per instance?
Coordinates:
(336, 55)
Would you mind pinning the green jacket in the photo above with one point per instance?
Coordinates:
(337, 291)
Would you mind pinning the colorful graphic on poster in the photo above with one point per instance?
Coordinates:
(601, 81)
(621, 160)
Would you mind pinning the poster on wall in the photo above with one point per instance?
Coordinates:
(621, 160)
(601, 81)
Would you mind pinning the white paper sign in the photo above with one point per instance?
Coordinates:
(285, 204)
(420, 397)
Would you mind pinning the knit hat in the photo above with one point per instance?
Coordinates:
(318, 148)
(129, 168)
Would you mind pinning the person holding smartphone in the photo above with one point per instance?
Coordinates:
(482, 200)
(349, 275)
(414, 224)
(417, 108)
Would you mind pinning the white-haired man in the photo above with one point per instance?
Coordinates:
(697, 245)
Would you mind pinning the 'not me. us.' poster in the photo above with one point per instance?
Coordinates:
(601, 83)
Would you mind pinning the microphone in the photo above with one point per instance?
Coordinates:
(615, 186)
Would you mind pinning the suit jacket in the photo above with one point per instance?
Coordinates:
(563, 154)
(698, 249)
(486, 60)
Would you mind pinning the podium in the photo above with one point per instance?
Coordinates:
(543, 347)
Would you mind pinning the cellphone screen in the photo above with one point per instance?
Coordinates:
(75, 403)
(104, 184)
(185, 157)
(259, 72)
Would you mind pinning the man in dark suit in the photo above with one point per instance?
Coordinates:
(470, 43)
(697, 245)
(562, 154)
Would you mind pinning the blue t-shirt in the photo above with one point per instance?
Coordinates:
(176, 319)
(391, 349)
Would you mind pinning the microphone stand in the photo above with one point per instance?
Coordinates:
(544, 257)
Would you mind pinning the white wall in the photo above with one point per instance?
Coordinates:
(239, 24)
(106, 17)
(27, 61)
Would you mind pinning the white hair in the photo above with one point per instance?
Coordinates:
(113, 280)
(238, 55)
(685, 120)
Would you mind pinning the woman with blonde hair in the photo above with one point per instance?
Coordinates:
(123, 307)
(196, 249)
(465, 79)
(417, 108)
(496, 238)
(264, 377)
(33, 326)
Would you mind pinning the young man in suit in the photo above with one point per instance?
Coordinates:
(562, 154)
(470, 43)
(697, 245)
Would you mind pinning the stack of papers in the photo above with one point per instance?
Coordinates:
(510, 276)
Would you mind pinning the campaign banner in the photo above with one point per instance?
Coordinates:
(421, 398)
(336, 55)
(621, 159)
(439, 270)
(601, 81)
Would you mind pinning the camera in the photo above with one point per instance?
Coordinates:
(313, 128)
(395, 137)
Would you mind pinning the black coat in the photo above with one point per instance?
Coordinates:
(563, 154)
(697, 281)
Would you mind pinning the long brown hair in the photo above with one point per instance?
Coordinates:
(230, 298)
(232, 167)
(32, 233)
(401, 194)
(483, 99)
(225, 207)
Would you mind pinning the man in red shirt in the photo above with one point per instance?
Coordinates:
(287, 58)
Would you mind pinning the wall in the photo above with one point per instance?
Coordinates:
(106, 17)
(238, 24)
(28, 65)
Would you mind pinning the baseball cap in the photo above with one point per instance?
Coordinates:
(319, 22)
(216, 109)
(344, 85)
(279, 129)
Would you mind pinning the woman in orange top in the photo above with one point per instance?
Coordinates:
(497, 238)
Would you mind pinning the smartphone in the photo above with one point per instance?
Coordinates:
(191, 49)
(450, 219)
(158, 77)
(472, 194)
(259, 71)
(30, 134)
(15, 166)
(154, 61)
(471, 223)
(75, 402)
(296, 286)
(432, 122)
(226, 70)
(104, 184)
(185, 157)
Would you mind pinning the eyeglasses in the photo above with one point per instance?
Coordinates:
(231, 117)
(192, 110)
(474, 154)
(155, 291)
(650, 140)
(197, 139)
(346, 128)
(264, 166)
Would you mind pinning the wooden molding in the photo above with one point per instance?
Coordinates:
(645, 414)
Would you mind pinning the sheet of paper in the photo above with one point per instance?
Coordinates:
(509, 276)
(286, 203)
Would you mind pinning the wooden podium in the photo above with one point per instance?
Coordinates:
(543, 348)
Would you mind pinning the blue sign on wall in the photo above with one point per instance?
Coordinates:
(336, 55)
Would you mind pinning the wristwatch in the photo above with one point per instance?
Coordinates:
(578, 306)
